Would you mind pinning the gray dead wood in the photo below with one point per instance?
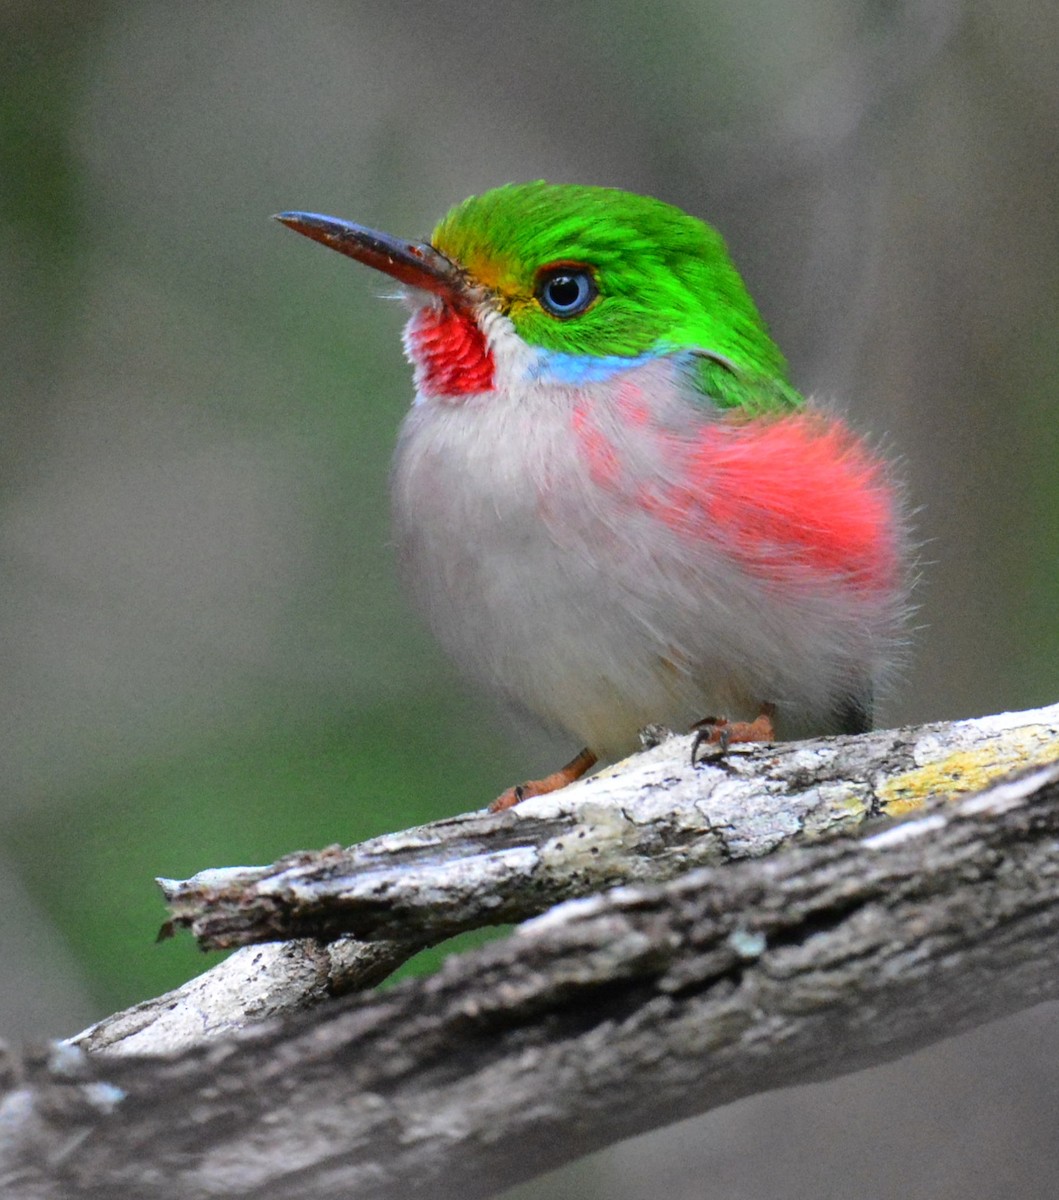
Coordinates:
(606, 1017)
(648, 819)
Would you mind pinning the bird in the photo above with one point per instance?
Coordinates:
(609, 501)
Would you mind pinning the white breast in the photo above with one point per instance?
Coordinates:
(573, 606)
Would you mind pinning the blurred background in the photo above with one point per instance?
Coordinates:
(205, 656)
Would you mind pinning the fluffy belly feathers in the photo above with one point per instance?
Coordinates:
(604, 571)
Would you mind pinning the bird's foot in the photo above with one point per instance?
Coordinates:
(574, 769)
(722, 733)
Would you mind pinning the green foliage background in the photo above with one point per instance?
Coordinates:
(206, 656)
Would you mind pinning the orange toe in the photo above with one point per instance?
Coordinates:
(574, 769)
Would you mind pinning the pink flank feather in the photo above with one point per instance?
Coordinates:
(784, 496)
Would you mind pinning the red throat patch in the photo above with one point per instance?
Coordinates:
(450, 352)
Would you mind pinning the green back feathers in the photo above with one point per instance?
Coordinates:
(665, 282)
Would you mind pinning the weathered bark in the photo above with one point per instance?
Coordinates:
(652, 818)
(606, 1017)
(254, 984)
(646, 820)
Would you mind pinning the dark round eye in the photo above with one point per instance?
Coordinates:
(566, 291)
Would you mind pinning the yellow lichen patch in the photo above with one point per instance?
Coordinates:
(966, 770)
(853, 804)
(841, 806)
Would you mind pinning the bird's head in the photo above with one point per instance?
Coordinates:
(564, 284)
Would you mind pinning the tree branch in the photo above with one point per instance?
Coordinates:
(649, 819)
(684, 991)
(652, 818)
(604, 1018)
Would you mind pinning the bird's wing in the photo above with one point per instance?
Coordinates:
(731, 387)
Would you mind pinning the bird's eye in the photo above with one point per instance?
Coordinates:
(566, 291)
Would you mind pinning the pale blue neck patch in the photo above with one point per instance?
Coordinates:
(573, 370)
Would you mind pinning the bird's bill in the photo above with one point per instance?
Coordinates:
(415, 263)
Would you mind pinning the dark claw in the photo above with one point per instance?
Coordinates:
(719, 748)
(704, 732)
(703, 737)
